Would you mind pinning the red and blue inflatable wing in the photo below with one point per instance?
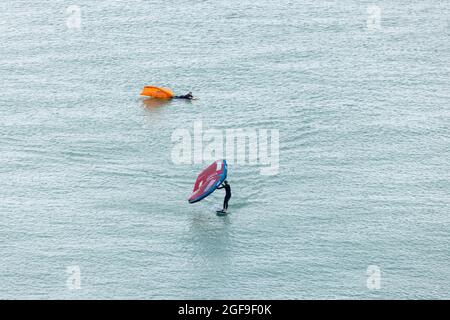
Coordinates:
(208, 180)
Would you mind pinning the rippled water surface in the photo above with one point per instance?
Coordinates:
(87, 177)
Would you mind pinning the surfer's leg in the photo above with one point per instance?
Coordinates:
(225, 203)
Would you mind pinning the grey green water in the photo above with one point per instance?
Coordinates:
(87, 178)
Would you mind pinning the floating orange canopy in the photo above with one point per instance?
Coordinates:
(156, 92)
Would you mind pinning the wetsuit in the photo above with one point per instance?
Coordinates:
(227, 195)
(188, 96)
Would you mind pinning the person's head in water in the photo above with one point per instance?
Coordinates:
(189, 95)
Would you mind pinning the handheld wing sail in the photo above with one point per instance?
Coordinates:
(156, 92)
(208, 180)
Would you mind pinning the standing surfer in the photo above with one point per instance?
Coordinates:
(227, 188)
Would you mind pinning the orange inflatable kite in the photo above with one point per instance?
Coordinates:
(156, 92)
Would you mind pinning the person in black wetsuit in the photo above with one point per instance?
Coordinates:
(227, 188)
(188, 96)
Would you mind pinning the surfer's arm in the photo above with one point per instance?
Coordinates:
(220, 187)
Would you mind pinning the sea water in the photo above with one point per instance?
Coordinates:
(93, 205)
